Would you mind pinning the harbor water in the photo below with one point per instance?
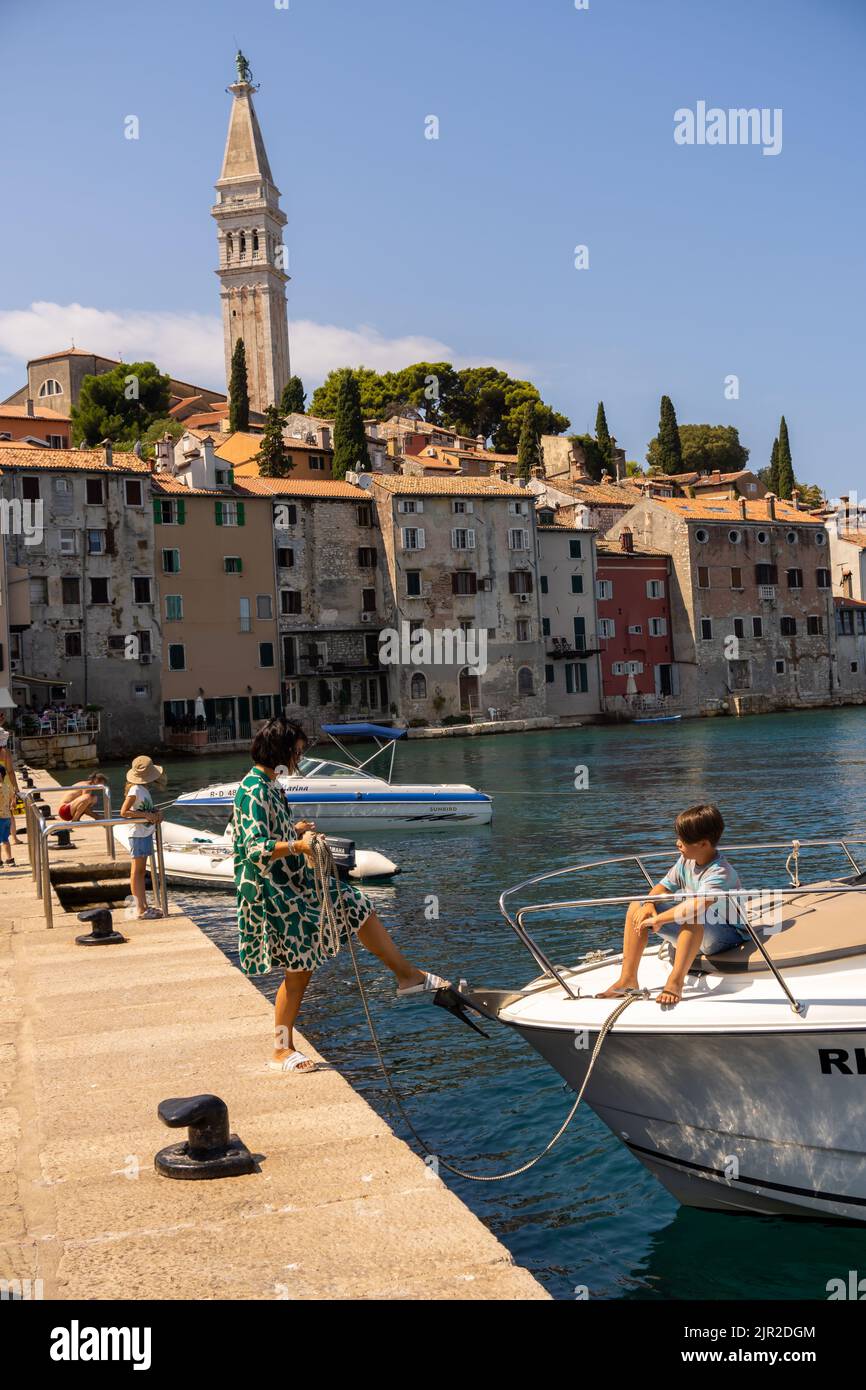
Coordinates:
(588, 1220)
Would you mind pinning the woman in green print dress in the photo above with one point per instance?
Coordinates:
(278, 910)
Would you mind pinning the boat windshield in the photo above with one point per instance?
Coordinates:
(315, 767)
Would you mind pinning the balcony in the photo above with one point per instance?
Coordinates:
(767, 593)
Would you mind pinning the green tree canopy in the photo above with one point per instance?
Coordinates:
(664, 454)
(528, 447)
(273, 458)
(707, 447)
(350, 438)
(294, 397)
(603, 439)
(472, 401)
(239, 396)
(595, 462)
(770, 476)
(785, 466)
(121, 404)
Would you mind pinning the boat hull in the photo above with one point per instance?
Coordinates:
(761, 1122)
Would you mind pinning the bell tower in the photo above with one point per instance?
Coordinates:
(252, 271)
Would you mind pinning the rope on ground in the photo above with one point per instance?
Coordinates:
(334, 926)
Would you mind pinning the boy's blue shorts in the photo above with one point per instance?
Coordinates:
(141, 846)
(718, 936)
(5, 827)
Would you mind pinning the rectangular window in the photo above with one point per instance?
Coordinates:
(518, 540)
(266, 654)
(658, 627)
(606, 627)
(795, 579)
(409, 505)
(766, 574)
(518, 508)
(739, 627)
(133, 492)
(736, 577)
(144, 647)
(94, 492)
(30, 487)
(655, 588)
(780, 667)
(365, 514)
(174, 608)
(264, 607)
(550, 674)
(290, 601)
(575, 550)
(703, 577)
(39, 590)
(580, 634)
(72, 643)
(542, 580)
(706, 629)
(815, 626)
(757, 627)
(141, 590)
(545, 627)
(788, 627)
(232, 564)
(459, 506)
(285, 557)
(229, 513)
(464, 582)
(55, 441)
(97, 542)
(367, 557)
(413, 583)
(576, 680)
(70, 592)
(285, 514)
(176, 656)
(524, 630)
(68, 542)
(245, 609)
(519, 582)
(577, 583)
(171, 562)
(412, 537)
(368, 600)
(99, 591)
(845, 622)
(822, 579)
(222, 477)
(463, 540)
(604, 588)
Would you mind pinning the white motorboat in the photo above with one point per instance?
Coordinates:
(346, 799)
(201, 859)
(750, 1094)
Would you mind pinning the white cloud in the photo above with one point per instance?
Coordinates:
(190, 346)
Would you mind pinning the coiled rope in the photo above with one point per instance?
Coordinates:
(334, 927)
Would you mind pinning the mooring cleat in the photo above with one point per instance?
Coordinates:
(447, 999)
(102, 931)
(209, 1151)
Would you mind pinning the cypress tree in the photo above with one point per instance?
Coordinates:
(670, 453)
(602, 435)
(528, 448)
(294, 397)
(273, 458)
(350, 437)
(239, 396)
(785, 467)
(773, 470)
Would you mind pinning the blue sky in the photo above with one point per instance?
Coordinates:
(556, 129)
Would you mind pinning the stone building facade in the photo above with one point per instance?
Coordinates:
(94, 616)
(460, 574)
(850, 647)
(751, 603)
(566, 581)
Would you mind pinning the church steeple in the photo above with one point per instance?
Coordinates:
(251, 254)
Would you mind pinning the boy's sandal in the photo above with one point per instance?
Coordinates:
(150, 915)
(429, 984)
(293, 1062)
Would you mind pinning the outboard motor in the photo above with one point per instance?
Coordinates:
(343, 852)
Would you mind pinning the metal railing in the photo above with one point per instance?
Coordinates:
(734, 897)
(33, 820)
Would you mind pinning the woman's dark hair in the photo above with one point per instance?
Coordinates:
(700, 823)
(274, 744)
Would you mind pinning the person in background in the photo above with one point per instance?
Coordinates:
(138, 807)
(7, 817)
(83, 803)
(7, 764)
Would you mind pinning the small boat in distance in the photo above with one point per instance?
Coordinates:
(657, 719)
(347, 799)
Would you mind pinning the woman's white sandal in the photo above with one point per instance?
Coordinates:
(429, 984)
(291, 1063)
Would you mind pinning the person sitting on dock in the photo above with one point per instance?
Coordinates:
(692, 923)
(81, 802)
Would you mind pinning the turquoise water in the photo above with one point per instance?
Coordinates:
(589, 1214)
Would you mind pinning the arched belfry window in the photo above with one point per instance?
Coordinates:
(243, 250)
(230, 243)
(255, 243)
(51, 388)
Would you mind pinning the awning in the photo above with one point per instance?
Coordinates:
(6, 701)
(39, 680)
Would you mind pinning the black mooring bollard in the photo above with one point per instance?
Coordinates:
(62, 840)
(209, 1151)
(102, 929)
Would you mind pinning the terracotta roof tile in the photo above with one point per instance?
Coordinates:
(722, 509)
(613, 547)
(264, 488)
(80, 460)
(857, 538)
(600, 494)
(449, 487)
(848, 602)
(20, 412)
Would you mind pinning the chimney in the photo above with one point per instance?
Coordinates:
(605, 477)
(480, 441)
(109, 453)
(795, 500)
(741, 503)
(324, 434)
(537, 471)
(770, 500)
(30, 411)
(626, 541)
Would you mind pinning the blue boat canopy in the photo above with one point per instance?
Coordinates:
(359, 730)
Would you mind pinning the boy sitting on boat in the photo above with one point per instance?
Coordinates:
(704, 922)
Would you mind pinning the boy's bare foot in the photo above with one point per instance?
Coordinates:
(671, 994)
(618, 989)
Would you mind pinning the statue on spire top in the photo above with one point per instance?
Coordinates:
(245, 73)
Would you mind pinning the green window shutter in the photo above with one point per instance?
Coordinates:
(157, 510)
(181, 511)
(218, 512)
(240, 513)
(231, 477)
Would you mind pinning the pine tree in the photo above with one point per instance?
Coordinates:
(350, 437)
(785, 466)
(239, 396)
(772, 475)
(273, 458)
(528, 448)
(294, 397)
(603, 439)
(670, 454)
